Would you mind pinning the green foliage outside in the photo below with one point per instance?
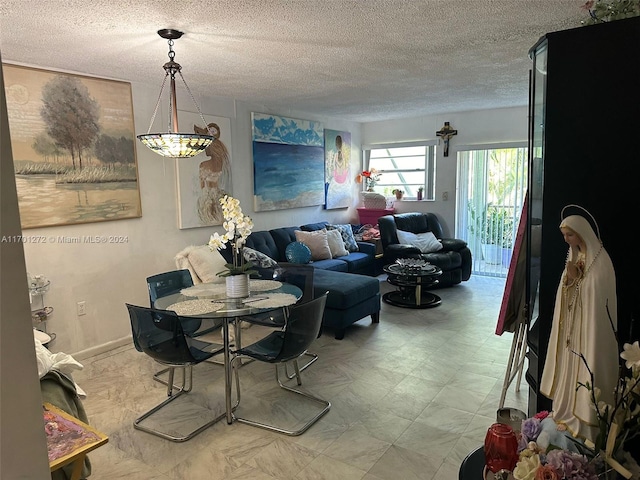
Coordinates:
(493, 225)
(493, 222)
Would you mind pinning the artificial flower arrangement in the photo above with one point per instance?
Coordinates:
(547, 452)
(238, 227)
(602, 11)
(369, 177)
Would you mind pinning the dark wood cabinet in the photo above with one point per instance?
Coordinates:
(583, 149)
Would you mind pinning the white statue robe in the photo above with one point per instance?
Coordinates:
(585, 329)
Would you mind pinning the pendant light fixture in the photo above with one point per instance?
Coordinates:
(172, 143)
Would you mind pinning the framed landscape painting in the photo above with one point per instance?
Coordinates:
(73, 144)
(337, 177)
(288, 162)
(203, 179)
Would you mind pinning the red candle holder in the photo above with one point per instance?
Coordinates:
(500, 448)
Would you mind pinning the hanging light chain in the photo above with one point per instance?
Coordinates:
(171, 54)
(196, 104)
(155, 110)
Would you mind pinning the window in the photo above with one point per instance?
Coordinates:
(404, 166)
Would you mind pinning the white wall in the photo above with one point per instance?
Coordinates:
(106, 276)
(474, 128)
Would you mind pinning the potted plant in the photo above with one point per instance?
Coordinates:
(238, 227)
(420, 191)
(398, 193)
(369, 177)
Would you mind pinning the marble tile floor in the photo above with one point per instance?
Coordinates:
(411, 397)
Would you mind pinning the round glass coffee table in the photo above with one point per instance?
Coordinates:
(412, 280)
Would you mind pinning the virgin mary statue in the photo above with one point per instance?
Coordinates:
(583, 332)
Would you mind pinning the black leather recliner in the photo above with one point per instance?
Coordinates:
(454, 259)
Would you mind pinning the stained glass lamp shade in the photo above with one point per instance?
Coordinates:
(172, 143)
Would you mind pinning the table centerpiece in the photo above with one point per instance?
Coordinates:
(238, 227)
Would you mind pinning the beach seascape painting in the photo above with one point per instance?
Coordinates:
(288, 162)
(73, 146)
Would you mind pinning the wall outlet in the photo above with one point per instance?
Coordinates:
(81, 308)
(445, 196)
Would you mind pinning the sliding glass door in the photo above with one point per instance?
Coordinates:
(491, 189)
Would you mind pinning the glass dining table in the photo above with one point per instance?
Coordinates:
(209, 301)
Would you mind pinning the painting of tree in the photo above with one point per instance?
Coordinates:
(72, 138)
(71, 115)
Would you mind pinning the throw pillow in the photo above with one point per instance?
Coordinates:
(425, 242)
(258, 258)
(298, 253)
(347, 236)
(336, 244)
(317, 243)
(205, 263)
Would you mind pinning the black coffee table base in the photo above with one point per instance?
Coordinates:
(406, 297)
(411, 284)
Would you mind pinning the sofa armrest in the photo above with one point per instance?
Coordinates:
(400, 250)
(368, 248)
(453, 244)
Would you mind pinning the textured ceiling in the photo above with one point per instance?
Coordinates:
(361, 60)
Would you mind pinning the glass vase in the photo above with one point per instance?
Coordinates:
(500, 448)
(237, 286)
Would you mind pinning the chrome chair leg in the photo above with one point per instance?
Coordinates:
(326, 405)
(158, 375)
(183, 388)
(314, 357)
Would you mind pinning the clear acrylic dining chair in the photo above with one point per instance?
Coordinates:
(302, 276)
(301, 328)
(167, 283)
(159, 334)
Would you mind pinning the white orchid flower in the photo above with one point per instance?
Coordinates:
(216, 241)
(238, 227)
(631, 355)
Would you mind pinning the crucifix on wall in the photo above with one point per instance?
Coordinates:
(446, 132)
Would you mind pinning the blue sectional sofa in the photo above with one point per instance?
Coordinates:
(353, 292)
